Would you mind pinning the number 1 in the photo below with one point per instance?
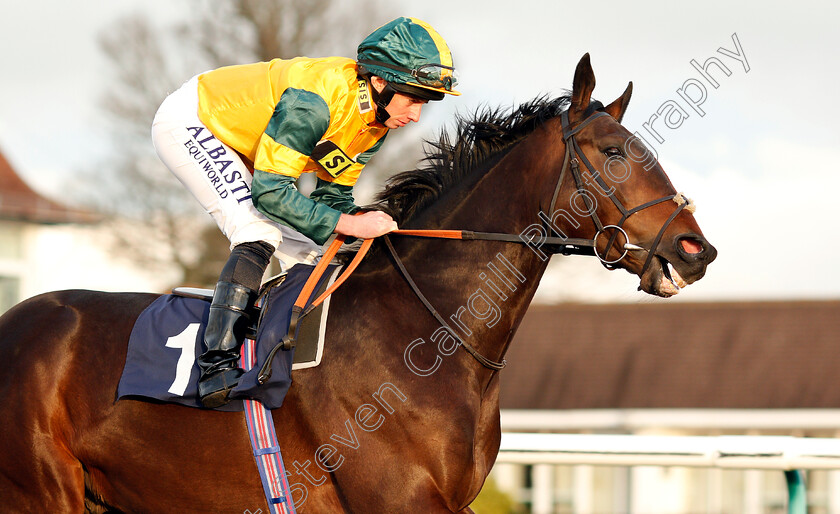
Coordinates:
(186, 342)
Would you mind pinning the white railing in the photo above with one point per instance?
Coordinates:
(739, 452)
(786, 453)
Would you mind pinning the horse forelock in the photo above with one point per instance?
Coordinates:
(474, 144)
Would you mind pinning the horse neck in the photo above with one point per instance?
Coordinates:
(483, 288)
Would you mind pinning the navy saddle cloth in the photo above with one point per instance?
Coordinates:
(168, 337)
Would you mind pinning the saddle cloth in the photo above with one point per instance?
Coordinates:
(168, 337)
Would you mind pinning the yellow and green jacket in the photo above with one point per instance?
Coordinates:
(290, 117)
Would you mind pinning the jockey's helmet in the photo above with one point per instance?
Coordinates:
(411, 56)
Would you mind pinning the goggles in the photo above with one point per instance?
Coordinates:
(430, 75)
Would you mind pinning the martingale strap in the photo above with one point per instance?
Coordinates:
(564, 245)
(487, 363)
(300, 309)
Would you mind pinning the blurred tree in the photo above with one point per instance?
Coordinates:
(157, 222)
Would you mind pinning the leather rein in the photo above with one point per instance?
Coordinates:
(560, 244)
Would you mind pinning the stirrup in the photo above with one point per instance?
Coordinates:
(214, 387)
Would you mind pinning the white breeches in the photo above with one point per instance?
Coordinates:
(218, 178)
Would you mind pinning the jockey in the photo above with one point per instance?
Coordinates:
(280, 119)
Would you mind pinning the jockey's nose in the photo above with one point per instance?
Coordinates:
(415, 111)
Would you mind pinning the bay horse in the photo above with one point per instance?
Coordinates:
(396, 418)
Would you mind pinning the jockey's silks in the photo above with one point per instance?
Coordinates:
(275, 114)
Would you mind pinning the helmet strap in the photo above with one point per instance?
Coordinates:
(382, 99)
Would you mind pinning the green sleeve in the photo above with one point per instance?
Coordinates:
(277, 197)
(337, 196)
(299, 121)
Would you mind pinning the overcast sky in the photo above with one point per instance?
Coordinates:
(761, 163)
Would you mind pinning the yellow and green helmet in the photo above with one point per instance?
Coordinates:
(412, 56)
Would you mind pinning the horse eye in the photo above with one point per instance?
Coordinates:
(611, 151)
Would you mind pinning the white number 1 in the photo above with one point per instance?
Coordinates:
(186, 342)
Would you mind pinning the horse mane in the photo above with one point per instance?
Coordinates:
(476, 141)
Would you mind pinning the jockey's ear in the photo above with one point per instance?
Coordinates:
(619, 105)
(378, 83)
(582, 86)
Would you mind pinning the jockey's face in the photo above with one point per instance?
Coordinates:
(402, 109)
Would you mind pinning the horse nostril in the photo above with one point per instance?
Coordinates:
(694, 247)
(690, 246)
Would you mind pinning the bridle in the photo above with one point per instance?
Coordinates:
(563, 245)
(572, 159)
(560, 244)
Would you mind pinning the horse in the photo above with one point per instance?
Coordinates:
(397, 417)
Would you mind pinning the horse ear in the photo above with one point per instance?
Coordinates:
(583, 84)
(619, 105)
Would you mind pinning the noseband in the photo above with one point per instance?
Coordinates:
(572, 159)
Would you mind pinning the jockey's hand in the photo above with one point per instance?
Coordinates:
(366, 226)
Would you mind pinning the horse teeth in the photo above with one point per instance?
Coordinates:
(676, 278)
(668, 287)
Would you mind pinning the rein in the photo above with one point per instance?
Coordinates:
(562, 245)
(299, 309)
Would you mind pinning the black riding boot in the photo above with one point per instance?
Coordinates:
(228, 321)
(226, 325)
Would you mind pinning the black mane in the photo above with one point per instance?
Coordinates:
(475, 142)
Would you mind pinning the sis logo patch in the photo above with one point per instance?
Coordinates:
(332, 158)
(364, 97)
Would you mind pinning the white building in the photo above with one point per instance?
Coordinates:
(46, 246)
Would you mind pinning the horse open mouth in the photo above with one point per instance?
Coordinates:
(662, 279)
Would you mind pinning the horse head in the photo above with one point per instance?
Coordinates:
(619, 191)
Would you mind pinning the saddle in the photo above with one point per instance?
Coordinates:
(168, 337)
(309, 333)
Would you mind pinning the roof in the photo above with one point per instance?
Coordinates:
(766, 355)
(18, 202)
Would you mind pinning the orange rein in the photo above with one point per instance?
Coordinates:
(300, 310)
(331, 252)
